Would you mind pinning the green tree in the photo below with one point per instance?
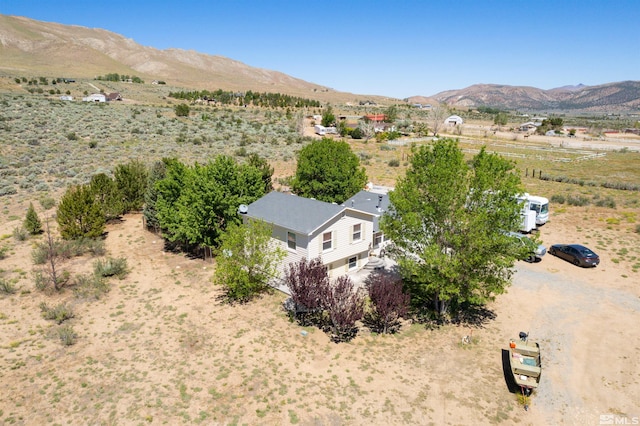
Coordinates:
(79, 214)
(328, 117)
(500, 119)
(196, 204)
(328, 171)
(108, 196)
(391, 113)
(246, 260)
(182, 110)
(158, 172)
(265, 169)
(447, 223)
(131, 179)
(32, 222)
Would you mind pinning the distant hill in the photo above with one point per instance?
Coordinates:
(612, 97)
(35, 48)
(49, 49)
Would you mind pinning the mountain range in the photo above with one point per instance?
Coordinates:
(40, 48)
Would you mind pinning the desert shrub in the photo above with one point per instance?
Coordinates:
(67, 335)
(7, 287)
(110, 267)
(72, 136)
(45, 280)
(364, 156)
(19, 233)
(59, 313)
(40, 280)
(93, 144)
(182, 110)
(394, 163)
(558, 199)
(307, 280)
(578, 200)
(637, 229)
(90, 286)
(40, 254)
(388, 302)
(345, 307)
(8, 190)
(357, 133)
(3, 251)
(93, 246)
(606, 202)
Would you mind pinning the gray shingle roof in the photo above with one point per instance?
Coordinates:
(299, 214)
(370, 202)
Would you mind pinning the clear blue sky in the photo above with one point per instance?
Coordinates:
(396, 48)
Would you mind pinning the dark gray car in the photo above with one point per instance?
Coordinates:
(577, 254)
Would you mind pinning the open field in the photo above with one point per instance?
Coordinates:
(161, 348)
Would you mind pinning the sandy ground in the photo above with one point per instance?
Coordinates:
(160, 348)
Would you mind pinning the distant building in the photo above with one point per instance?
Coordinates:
(95, 97)
(529, 125)
(376, 118)
(453, 120)
(114, 97)
(66, 98)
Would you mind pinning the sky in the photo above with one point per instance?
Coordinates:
(395, 48)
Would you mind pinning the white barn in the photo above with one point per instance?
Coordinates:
(95, 97)
(453, 120)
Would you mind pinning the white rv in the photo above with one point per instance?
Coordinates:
(535, 211)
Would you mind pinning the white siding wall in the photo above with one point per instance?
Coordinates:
(302, 242)
(343, 247)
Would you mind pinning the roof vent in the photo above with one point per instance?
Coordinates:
(243, 209)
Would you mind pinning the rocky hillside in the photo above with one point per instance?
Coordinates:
(49, 49)
(612, 97)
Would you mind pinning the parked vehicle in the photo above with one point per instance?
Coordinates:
(577, 254)
(529, 249)
(535, 211)
(526, 365)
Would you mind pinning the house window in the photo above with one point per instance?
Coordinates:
(326, 241)
(377, 240)
(357, 232)
(353, 262)
(291, 240)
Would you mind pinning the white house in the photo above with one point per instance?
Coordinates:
(528, 126)
(95, 97)
(305, 228)
(453, 120)
(375, 203)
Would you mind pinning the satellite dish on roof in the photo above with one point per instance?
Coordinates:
(243, 209)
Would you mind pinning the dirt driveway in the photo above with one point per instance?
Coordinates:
(586, 322)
